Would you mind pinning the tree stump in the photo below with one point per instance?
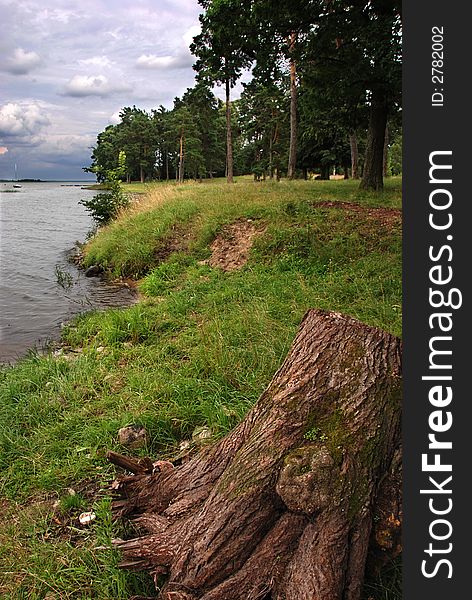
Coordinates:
(287, 505)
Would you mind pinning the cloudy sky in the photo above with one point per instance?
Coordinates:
(67, 68)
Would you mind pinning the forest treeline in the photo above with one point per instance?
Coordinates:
(324, 94)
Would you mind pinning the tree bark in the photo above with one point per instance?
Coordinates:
(346, 169)
(385, 152)
(292, 158)
(372, 178)
(283, 507)
(271, 157)
(181, 158)
(229, 135)
(354, 155)
(324, 172)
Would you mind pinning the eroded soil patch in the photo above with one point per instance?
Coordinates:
(230, 249)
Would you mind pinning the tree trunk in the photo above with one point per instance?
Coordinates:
(346, 169)
(181, 159)
(292, 158)
(372, 178)
(385, 152)
(141, 173)
(283, 507)
(229, 136)
(274, 141)
(354, 155)
(324, 172)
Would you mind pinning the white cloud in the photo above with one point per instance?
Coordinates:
(62, 16)
(180, 59)
(115, 118)
(116, 34)
(151, 61)
(190, 34)
(22, 62)
(22, 119)
(97, 61)
(93, 85)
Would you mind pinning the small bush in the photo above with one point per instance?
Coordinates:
(104, 207)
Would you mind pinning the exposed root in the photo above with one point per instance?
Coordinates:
(283, 507)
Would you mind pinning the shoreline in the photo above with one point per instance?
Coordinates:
(51, 342)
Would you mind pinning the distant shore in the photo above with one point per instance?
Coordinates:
(82, 181)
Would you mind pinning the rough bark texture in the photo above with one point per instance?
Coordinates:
(283, 507)
(229, 136)
(292, 158)
(372, 178)
(385, 152)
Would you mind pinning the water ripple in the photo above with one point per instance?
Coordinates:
(33, 305)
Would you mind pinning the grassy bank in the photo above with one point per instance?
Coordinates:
(196, 351)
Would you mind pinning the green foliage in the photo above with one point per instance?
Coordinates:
(190, 158)
(343, 56)
(63, 278)
(133, 245)
(315, 435)
(72, 502)
(151, 141)
(395, 156)
(223, 48)
(208, 124)
(137, 139)
(264, 122)
(104, 207)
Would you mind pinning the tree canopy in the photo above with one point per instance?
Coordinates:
(322, 77)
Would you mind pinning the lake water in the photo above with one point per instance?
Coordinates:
(40, 224)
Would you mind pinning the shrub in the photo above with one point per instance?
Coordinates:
(104, 207)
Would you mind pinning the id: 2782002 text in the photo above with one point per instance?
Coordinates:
(437, 65)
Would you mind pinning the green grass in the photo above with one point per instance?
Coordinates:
(196, 351)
